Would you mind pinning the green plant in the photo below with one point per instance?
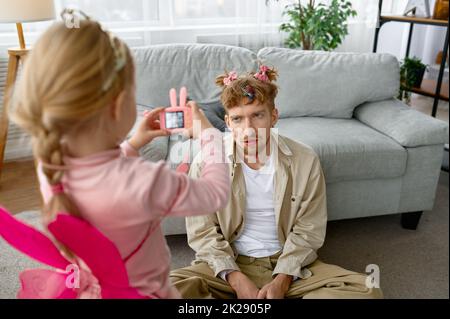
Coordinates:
(411, 73)
(317, 27)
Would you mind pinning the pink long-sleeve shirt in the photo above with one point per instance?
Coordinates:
(122, 195)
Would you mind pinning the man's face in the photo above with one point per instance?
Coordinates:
(251, 125)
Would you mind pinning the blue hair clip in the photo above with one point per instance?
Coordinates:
(248, 91)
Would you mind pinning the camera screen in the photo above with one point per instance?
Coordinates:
(174, 120)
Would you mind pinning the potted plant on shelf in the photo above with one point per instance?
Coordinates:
(411, 76)
(317, 26)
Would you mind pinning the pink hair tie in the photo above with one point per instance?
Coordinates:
(230, 78)
(262, 73)
(57, 189)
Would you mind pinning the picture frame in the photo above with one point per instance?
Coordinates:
(418, 8)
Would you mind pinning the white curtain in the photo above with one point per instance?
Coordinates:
(248, 23)
(361, 28)
(257, 23)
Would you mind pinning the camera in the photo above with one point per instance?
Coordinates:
(177, 117)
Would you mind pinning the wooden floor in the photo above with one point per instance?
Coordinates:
(19, 190)
(425, 105)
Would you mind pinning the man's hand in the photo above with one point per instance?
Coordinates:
(277, 288)
(148, 129)
(242, 285)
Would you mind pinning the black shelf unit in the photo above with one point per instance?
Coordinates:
(437, 94)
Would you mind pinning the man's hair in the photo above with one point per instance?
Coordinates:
(247, 88)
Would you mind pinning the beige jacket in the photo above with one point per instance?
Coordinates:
(300, 208)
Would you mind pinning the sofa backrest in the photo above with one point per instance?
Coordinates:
(161, 67)
(330, 84)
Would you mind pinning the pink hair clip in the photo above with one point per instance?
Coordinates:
(230, 78)
(262, 73)
(57, 188)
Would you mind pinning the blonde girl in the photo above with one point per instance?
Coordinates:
(76, 98)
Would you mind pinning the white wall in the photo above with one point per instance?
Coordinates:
(426, 41)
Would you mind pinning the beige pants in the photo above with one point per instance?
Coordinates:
(327, 281)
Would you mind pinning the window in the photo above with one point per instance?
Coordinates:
(143, 22)
(198, 9)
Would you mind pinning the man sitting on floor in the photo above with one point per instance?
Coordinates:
(264, 243)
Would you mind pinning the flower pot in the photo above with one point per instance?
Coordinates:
(418, 75)
(441, 10)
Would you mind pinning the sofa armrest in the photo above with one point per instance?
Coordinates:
(410, 128)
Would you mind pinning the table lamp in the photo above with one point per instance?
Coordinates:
(18, 11)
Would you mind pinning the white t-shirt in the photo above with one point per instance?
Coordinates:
(259, 238)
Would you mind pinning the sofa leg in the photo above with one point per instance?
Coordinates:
(411, 220)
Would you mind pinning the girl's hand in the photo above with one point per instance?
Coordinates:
(148, 129)
(198, 115)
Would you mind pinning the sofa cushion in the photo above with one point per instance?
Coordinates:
(162, 67)
(407, 126)
(156, 150)
(215, 113)
(348, 149)
(330, 84)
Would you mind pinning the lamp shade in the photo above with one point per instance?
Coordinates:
(26, 10)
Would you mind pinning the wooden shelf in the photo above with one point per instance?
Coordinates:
(428, 88)
(411, 19)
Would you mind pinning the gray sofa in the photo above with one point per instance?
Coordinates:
(378, 155)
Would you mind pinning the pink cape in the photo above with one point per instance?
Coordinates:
(86, 242)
